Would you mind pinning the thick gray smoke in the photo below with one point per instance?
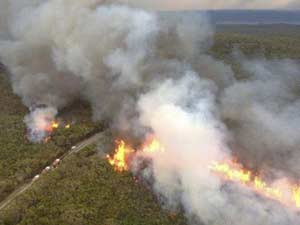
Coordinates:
(263, 111)
(149, 72)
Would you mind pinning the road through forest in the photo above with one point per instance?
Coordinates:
(81, 145)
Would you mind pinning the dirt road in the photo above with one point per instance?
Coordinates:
(26, 186)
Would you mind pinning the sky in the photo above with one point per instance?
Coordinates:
(216, 4)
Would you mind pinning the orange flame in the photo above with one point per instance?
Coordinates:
(235, 172)
(296, 196)
(119, 160)
(55, 125)
(152, 145)
(123, 151)
(51, 126)
(228, 170)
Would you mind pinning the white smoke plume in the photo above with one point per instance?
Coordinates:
(149, 72)
(39, 123)
(187, 123)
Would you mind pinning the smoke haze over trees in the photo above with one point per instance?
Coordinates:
(149, 72)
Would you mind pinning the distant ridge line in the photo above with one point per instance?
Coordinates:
(255, 17)
(249, 16)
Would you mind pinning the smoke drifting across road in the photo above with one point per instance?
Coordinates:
(149, 72)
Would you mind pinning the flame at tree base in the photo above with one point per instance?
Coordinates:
(45, 128)
(119, 160)
(51, 127)
(123, 152)
(288, 193)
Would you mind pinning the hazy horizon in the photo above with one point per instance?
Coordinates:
(250, 16)
(255, 16)
(214, 5)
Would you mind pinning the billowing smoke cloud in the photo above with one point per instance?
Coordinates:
(264, 115)
(39, 123)
(149, 72)
(258, 113)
